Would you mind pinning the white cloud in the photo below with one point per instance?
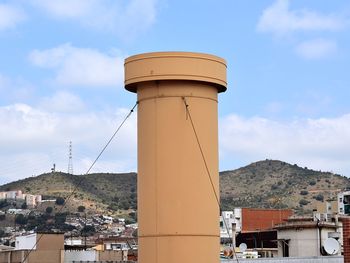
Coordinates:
(317, 143)
(67, 8)
(126, 18)
(81, 66)
(10, 16)
(278, 19)
(62, 101)
(33, 139)
(316, 48)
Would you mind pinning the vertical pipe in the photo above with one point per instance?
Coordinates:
(234, 235)
(346, 238)
(178, 213)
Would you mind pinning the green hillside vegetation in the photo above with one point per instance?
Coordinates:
(264, 184)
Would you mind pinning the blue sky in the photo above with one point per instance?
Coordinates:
(61, 79)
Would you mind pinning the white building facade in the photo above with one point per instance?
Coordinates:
(230, 220)
(344, 203)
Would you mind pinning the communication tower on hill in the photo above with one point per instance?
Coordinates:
(70, 159)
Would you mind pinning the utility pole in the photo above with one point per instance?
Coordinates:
(53, 169)
(85, 232)
(70, 158)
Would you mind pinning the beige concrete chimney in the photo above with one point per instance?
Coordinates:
(178, 214)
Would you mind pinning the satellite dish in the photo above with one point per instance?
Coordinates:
(243, 247)
(331, 246)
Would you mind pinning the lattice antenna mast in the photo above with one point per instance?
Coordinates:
(70, 159)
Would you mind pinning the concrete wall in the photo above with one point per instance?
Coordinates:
(50, 241)
(46, 256)
(304, 242)
(335, 259)
(92, 256)
(104, 262)
(70, 256)
(113, 255)
(11, 256)
(25, 242)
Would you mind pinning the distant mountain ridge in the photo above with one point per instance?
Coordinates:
(263, 184)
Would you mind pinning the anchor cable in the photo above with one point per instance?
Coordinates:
(189, 116)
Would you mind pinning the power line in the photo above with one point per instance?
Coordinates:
(82, 177)
(188, 114)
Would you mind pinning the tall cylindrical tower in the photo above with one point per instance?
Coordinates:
(178, 214)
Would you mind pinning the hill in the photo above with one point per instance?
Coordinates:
(277, 184)
(97, 192)
(265, 184)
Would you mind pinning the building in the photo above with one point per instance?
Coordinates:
(48, 250)
(17, 194)
(32, 200)
(328, 207)
(344, 203)
(254, 227)
(254, 219)
(116, 243)
(305, 236)
(232, 220)
(128, 245)
(26, 242)
(14, 211)
(262, 242)
(251, 219)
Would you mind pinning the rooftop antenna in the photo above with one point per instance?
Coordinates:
(70, 159)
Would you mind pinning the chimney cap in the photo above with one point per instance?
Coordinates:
(175, 66)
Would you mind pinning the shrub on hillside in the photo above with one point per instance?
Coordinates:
(274, 187)
(319, 197)
(304, 192)
(303, 202)
(312, 182)
(81, 208)
(59, 201)
(21, 219)
(49, 209)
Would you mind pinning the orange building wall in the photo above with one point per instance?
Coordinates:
(263, 219)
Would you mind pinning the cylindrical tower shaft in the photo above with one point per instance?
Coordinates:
(178, 213)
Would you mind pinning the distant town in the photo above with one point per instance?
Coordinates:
(244, 232)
